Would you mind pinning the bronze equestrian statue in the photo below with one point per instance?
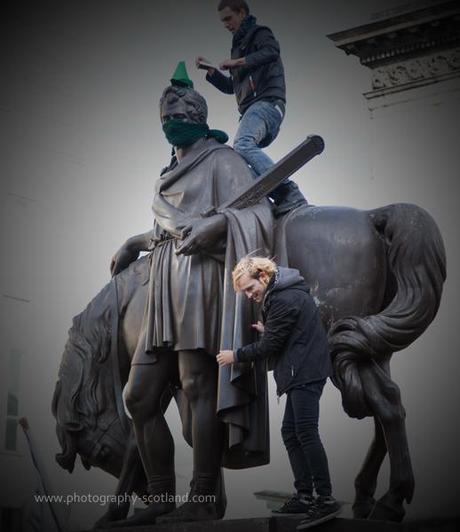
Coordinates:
(377, 277)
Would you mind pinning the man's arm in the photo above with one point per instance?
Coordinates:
(221, 82)
(268, 49)
(280, 323)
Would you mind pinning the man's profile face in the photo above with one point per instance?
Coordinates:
(253, 289)
(232, 19)
(175, 108)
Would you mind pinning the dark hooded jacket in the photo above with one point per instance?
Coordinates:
(294, 336)
(262, 78)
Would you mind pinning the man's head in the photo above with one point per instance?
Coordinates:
(183, 103)
(232, 13)
(252, 275)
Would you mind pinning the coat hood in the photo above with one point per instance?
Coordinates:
(286, 278)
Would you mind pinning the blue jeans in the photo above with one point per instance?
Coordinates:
(259, 126)
(301, 438)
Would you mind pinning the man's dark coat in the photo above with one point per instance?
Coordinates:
(262, 78)
(294, 336)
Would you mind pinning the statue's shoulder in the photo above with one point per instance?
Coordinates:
(222, 153)
(228, 163)
(225, 163)
(225, 152)
(218, 149)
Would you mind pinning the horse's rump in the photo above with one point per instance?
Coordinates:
(389, 266)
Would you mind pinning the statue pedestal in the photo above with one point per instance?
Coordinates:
(288, 524)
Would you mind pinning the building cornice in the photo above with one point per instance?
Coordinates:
(398, 38)
(409, 50)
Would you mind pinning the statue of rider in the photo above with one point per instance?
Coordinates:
(192, 312)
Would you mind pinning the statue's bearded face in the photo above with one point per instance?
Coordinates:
(184, 104)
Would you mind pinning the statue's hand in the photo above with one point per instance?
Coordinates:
(201, 234)
(123, 258)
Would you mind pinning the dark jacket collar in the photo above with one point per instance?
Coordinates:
(284, 278)
(247, 24)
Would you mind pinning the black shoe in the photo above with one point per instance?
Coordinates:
(287, 197)
(297, 504)
(325, 508)
(284, 208)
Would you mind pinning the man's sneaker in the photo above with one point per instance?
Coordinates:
(297, 504)
(287, 196)
(325, 508)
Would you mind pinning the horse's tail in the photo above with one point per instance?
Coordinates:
(417, 271)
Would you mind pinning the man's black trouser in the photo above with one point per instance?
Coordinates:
(301, 438)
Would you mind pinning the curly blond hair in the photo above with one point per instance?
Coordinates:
(253, 266)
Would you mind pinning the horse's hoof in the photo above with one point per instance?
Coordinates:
(363, 507)
(105, 522)
(116, 512)
(384, 511)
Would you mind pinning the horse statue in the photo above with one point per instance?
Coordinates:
(377, 277)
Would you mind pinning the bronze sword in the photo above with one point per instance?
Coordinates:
(313, 145)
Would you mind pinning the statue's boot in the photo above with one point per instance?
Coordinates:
(161, 491)
(287, 197)
(191, 511)
(148, 516)
(202, 504)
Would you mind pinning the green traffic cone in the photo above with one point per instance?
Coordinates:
(180, 77)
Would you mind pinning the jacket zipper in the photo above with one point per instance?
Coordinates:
(253, 87)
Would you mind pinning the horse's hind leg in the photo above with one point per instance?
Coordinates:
(384, 398)
(366, 481)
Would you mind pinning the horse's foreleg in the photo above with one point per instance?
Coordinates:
(366, 481)
(132, 475)
(384, 397)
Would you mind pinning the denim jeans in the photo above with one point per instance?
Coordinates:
(259, 126)
(301, 438)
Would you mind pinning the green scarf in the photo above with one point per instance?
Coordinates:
(181, 133)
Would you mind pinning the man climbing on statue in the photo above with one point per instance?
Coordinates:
(257, 80)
